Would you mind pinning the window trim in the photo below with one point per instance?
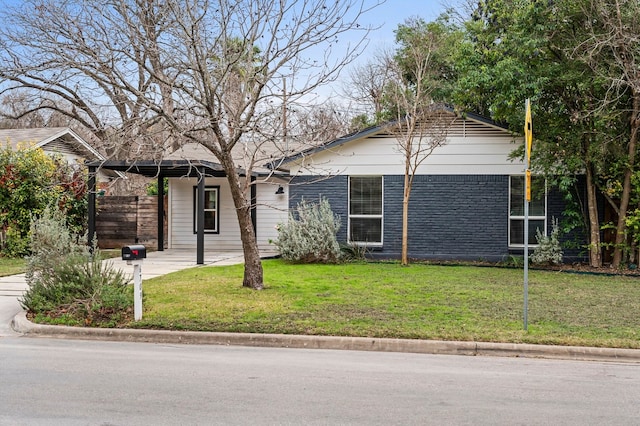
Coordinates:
(522, 217)
(215, 188)
(363, 216)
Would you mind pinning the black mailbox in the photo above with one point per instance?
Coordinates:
(134, 252)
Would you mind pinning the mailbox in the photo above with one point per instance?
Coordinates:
(134, 252)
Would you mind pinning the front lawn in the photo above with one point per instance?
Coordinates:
(387, 300)
(11, 266)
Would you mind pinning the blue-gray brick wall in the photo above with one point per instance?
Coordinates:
(334, 189)
(451, 217)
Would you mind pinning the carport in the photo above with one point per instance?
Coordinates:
(160, 170)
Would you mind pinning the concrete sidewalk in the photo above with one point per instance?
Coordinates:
(162, 263)
(11, 288)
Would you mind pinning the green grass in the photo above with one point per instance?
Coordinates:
(387, 300)
(11, 266)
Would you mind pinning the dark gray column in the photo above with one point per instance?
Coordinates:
(254, 202)
(160, 212)
(200, 219)
(91, 211)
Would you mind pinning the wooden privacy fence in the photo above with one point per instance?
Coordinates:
(130, 219)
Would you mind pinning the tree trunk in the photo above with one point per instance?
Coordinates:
(405, 210)
(621, 227)
(405, 221)
(595, 250)
(253, 273)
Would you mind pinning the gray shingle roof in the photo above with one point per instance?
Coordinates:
(36, 136)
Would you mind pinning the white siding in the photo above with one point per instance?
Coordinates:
(271, 210)
(471, 148)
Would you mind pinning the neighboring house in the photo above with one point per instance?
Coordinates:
(56, 140)
(466, 203)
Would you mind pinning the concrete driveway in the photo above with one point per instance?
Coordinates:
(164, 262)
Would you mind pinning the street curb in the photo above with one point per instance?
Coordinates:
(21, 324)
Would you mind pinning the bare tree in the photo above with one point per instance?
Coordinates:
(93, 62)
(208, 72)
(367, 83)
(420, 126)
(318, 124)
(13, 106)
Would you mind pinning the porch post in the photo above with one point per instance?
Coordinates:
(160, 212)
(91, 210)
(254, 202)
(200, 218)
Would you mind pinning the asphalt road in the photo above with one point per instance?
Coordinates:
(60, 382)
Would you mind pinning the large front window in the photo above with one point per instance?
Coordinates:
(211, 210)
(537, 210)
(365, 210)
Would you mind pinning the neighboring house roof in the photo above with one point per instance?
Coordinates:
(379, 130)
(61, 140)
(51, 139)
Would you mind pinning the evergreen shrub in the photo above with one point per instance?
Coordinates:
(549, 250)
(310, 234)
(66, 281)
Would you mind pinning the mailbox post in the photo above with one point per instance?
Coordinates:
(134, 255)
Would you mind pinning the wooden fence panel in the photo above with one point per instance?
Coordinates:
(123, 220)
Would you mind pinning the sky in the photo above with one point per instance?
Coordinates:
(387, 17)
(394, 12)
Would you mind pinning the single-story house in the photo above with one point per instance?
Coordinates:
(56, 141)
(467, 199)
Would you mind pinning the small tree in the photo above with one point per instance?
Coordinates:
(310, 234)
(419, 125)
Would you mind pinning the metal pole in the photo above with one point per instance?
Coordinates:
(528, 139)
(160, 215)
(526, 257)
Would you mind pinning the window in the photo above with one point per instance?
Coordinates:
(365, 210)
(211, 212)
(537, 210)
